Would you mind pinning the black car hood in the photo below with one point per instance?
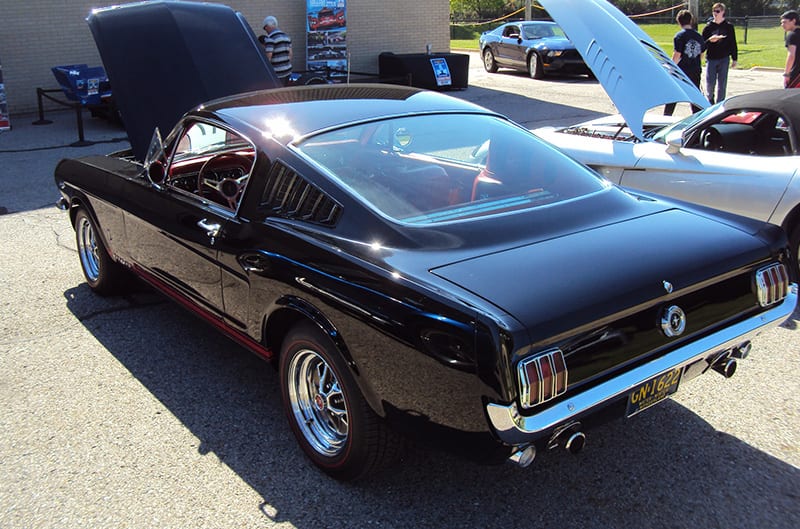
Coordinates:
(165, 58)
(573, 279)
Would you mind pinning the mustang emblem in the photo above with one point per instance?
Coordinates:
(673, 321)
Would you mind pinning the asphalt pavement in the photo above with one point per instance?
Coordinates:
(129, 412)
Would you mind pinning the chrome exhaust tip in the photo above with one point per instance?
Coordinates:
(524, 456)
(741, 351)
(575, 443)
(725, 367)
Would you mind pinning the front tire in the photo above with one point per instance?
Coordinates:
(488, 61)
(535, 68)
(103, 275)
(330, 418)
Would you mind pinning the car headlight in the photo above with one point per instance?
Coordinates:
(555, 53)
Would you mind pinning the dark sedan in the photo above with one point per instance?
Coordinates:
(536, 47)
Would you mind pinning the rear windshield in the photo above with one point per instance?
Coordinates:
(448, 167)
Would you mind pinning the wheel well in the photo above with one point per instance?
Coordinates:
(277, 326)
(792, 221)
(74, 206)
(293, 311)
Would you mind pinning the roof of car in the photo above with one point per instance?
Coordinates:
(786, 102)
(319, 107)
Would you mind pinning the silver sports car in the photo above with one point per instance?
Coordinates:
(741, 155)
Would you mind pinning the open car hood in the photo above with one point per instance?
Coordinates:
(635, 73)
(165, 58)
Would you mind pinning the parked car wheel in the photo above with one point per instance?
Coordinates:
(333, 423)
(103, 275)
(535, 68)
(488, 61)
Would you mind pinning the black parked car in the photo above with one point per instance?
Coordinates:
(537, 47)
(417, 265)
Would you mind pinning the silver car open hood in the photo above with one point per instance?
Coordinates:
(635, 73)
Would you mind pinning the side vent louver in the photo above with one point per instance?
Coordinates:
(289, 195)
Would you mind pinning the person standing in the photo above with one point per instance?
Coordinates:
(721, 53)
(278, 47)
(791, 72)
(688, 51)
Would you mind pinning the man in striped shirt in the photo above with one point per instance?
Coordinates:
(278, 46)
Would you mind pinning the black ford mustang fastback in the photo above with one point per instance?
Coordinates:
(417, 265)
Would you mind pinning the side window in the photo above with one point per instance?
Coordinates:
(211, 162)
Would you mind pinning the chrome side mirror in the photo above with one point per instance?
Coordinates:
(674, 142)
(156, 172)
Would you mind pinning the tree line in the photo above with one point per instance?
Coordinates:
(481, 10)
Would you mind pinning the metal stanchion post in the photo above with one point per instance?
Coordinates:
(41, 120)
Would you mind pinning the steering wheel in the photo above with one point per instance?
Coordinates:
(222, 178)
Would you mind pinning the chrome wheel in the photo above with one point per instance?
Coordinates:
(318, 403)
(535, 66)
(87, 249)
(488, 61)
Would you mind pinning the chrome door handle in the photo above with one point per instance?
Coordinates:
(211, 229)
(254, 263)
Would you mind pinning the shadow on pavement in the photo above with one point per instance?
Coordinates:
(650, 471)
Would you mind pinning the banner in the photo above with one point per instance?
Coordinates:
(326, 36)
(5, 120)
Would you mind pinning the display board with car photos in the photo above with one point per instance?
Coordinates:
(326, 37)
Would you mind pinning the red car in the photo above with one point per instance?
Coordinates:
(326, 18)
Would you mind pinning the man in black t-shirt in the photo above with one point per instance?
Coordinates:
(791, 72)
(688, 53)
(721, 53)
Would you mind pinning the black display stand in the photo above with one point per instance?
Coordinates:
(419, 67)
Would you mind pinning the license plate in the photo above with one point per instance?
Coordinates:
(653, 391)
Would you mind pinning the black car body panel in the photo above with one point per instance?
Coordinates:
(164, 58)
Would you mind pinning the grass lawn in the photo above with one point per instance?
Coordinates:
(764, 45)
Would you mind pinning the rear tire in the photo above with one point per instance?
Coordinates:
(103, 275)
(330, 418)
(489, 64)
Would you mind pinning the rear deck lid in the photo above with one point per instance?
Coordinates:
(557, 285)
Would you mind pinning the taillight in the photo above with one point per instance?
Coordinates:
(773, 284)
(542, 377)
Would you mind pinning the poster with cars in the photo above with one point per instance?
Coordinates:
(5, 120)
(326, 37)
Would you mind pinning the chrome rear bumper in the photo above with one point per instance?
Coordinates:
(515, 429)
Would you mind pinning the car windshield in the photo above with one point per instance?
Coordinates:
(538, 31)
(448, 167)
(660, 134)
